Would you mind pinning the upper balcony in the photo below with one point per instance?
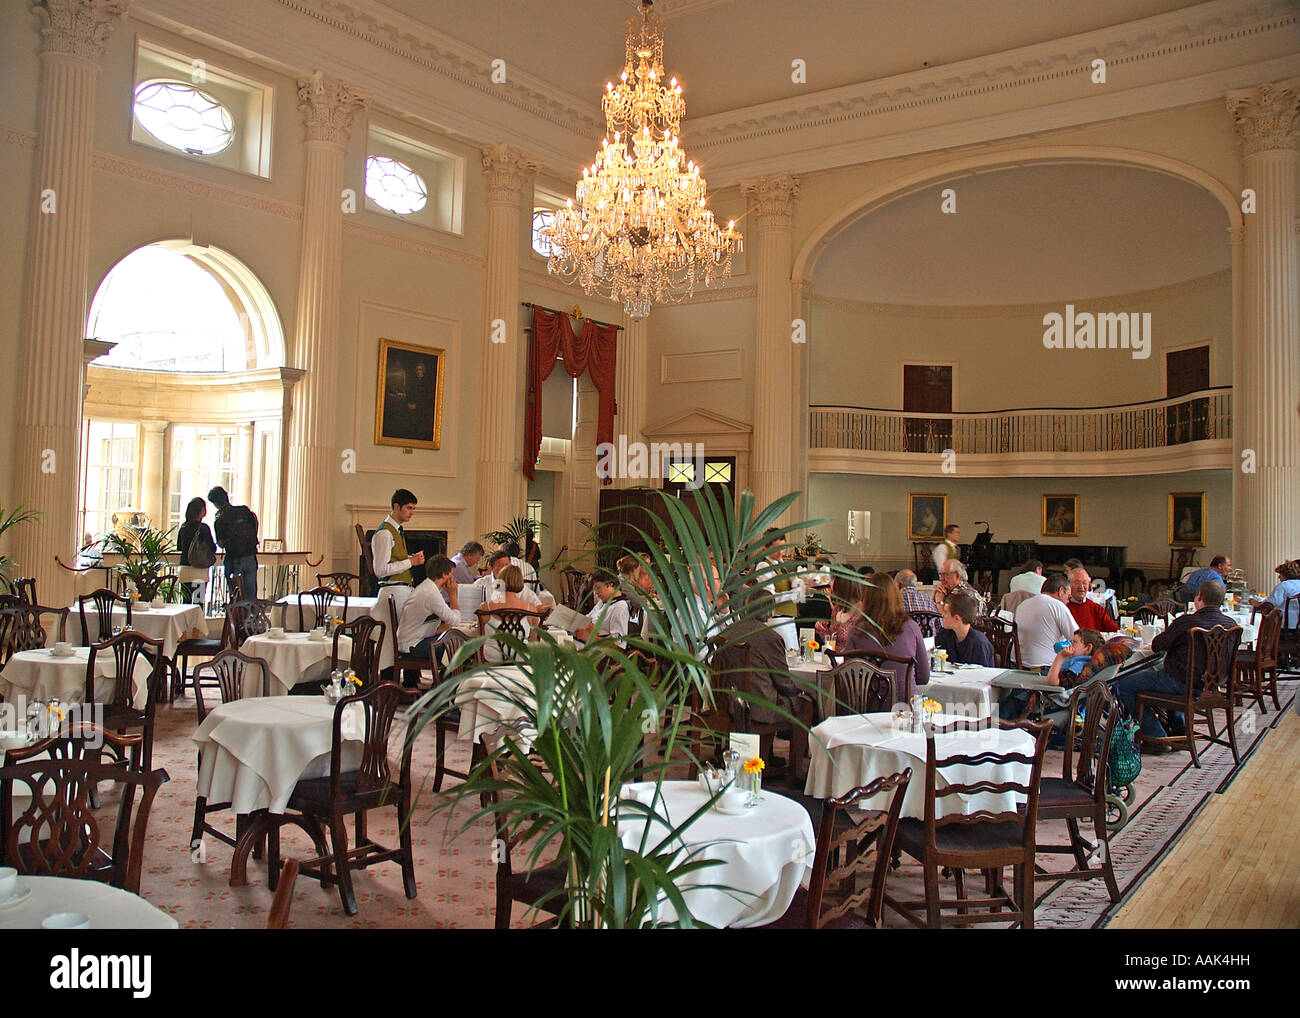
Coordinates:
(1191, 432)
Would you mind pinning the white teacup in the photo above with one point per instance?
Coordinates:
(66, 921)
(157, 602)
(8, 882)
(733, 798)
(63, 648)
(317, 634)
(275, 631)
(1125, 621)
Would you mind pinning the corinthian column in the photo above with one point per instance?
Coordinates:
(328, 108)
(1266, 529)
(499, 485)
(775, 392)
(54, 296)
(629, 388)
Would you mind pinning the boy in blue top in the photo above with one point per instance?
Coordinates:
(965, 645)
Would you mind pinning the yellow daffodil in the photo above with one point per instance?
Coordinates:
(754, 766)
(931, 706)
(352, 678)
(814, 645)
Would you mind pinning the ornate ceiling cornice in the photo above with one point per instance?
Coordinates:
(1195, 285)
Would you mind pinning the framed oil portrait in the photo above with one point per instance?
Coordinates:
(926, 517)
(1060, 515)
(1187, 519)
(408, 407)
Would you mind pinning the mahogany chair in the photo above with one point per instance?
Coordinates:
(248, 618)
(368, 582)
(1254, 666)
(930, 622)
(31, 630)
(199, 646)
(448, 723)
(103, 601)
(541, 888)
(575, 586)
(278, 917)
(322, 605)
(327, 802)
(1212, 672)
(1004, 634)
(232, 672)
(733, 671)
(1179, 559)
(57, 835)
(1288, 647)
(1079, 794)
(860, 852)
(883, 659)
(982, 840)
(509, 622)
(11, 620)
(342, 582)
(366, 647)
(120, 712)
(1164, 609)
(404, 663)
(25, 589)
(862, 687)
(923, 560)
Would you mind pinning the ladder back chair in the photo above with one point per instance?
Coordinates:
(102, 602)
(1211, 686)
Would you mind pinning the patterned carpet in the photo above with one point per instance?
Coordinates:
(455, 872)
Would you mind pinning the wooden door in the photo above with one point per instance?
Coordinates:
(1187, 371)
(927, 389)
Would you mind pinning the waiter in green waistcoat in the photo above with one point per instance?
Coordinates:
(773, 575)
(393, 564)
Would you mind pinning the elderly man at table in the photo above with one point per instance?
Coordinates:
(465, 562)
(1030, 578)
(1176, 644)
(609, 616)
(1086, 612)
(964, 644)
(953, 576)
(1217, 572)
(769, 673)
(913, 599)
(431, 605)
(1043, 620)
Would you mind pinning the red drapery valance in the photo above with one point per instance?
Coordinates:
(592, 350)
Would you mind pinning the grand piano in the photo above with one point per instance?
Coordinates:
(990, 558)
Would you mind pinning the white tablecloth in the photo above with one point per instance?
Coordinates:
(765, 854)
(39, 675)
(967, 692)
(287, 615)
(489, 699)
(252, 752)
(109, 908)
(816, 671)
(171, 623)
(851, 751)
(294, 658)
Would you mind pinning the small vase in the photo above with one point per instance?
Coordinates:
(755, 789)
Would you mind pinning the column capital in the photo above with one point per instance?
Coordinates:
(774, 199)
(1266, 117)
(328, 107)
(507, 171)
(79, 27)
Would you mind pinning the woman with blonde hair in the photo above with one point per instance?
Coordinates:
(517, 598)
(887, 627)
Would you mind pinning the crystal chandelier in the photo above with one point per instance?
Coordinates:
(639, 226)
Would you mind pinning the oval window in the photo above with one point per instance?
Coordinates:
(184, 117)
(394, 186)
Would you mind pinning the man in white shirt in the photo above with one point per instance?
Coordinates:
(609, 616)
(512, 549)
(465, 562)
(1043, 620)
(431, 605)
(1031, 579)
(947, 548)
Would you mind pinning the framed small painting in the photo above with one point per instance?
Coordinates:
(1060, 515)
(926, 516)
(408, 405)
(1187, 519)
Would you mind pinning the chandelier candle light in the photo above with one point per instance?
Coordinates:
(639, 225)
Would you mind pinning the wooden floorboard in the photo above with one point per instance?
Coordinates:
(1234, 866)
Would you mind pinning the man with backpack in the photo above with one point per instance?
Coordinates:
(235, 527)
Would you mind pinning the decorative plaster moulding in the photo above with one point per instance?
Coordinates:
(1214, 454)
(412, 246)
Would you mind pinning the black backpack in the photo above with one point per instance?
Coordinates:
(202, 552)
(241, 532)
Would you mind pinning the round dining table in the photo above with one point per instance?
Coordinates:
(107, 908)
(762, 855)
(170, 623)
(855, 749)
(294, 658)
(43, 674)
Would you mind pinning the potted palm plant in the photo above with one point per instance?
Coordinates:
(144, 561)
(593, 720)
(9, 520)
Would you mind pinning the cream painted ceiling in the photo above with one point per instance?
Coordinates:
(731, 54)
(1030, 235)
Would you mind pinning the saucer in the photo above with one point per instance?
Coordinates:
(17, 898)
(733, 812)
(56, 653)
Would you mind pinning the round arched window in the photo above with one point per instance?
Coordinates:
(184, 117)
(394, 186)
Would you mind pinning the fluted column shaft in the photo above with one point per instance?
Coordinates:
(54, 295)
(630, 387)
(499, 481)
(1266, 529)
(153, 472)
(244, 465)
(773, 199)
(328, 109)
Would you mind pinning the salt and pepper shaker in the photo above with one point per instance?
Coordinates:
(918, 714)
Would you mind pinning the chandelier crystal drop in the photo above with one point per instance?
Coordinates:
(639, 226)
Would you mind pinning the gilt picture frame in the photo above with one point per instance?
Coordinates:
(1060, 516)
(1187, 519)
(408, 400)
(927, 515)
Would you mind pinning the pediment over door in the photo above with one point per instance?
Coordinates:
(717, 434)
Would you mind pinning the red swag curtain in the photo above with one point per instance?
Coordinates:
(593, 350)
